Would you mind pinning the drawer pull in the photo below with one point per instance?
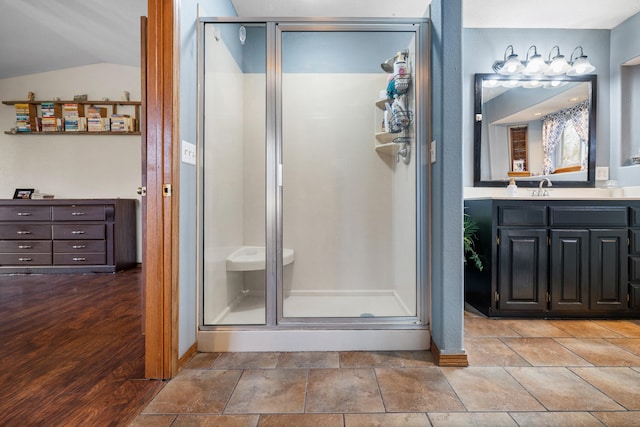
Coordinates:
(21, 232)
(24, 213)
(24, 246)
(24, 259)
(77, 232)
(79, 246)
(77, 213)
(79, 259)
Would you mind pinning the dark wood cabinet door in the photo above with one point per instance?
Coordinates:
(569, 270)
(609, 269)
(523, 269)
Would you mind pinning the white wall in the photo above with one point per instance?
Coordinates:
(72, 166)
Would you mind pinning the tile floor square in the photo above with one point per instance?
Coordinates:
(269, 391)
(343, 391)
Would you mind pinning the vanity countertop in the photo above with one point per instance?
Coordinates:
(525, 193)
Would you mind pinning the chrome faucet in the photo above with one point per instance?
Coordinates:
(541, 193)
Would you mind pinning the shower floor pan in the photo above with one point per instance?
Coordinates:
(249, 309)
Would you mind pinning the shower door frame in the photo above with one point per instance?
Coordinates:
(274, 164)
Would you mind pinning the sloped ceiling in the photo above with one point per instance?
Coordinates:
(45, 35)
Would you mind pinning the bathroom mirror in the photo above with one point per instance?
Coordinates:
(533, 128)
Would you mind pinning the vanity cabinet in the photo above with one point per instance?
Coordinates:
(553, 258)
(67, 236)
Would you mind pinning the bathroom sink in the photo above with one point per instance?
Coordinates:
(252, 258)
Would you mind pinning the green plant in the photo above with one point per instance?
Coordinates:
(469, 237)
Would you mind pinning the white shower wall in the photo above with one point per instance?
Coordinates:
(223, 177)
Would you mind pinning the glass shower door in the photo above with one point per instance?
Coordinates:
(234, 254)
(349, 174)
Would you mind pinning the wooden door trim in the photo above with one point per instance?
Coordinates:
(161, 129)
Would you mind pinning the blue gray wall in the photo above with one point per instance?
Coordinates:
(607, 50)
(625, 45)
(188, 290)
(482, 46)
(447, 290)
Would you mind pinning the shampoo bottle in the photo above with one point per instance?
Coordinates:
(400, 65)
(512, 188)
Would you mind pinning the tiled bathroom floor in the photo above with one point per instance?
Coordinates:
(521, 373)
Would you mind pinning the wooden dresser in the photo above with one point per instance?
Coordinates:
(67, 235)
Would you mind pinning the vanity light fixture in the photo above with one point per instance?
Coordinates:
(536, 65)
(510, 65)
(580, 65)
(558, 64)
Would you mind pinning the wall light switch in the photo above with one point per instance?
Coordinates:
(432, 154)
(602, 173)
(188, 153)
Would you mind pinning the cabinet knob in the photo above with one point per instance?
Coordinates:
(79, 259)
(77, 232)
(24, 246)
(78, 246)
(24, 259)
(21, 232)
(24, 213)
(77, 213)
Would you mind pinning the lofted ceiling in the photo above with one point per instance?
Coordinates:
(44, 35)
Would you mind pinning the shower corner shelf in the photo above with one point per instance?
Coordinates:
(385, 137)
(380, 103)
(390, 148)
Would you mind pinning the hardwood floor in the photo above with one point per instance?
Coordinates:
(72, 350)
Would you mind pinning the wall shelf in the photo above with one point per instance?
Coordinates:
(386, 137)
(390, 148)
(111, 108)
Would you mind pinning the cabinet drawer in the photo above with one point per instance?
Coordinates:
(25, 259)
(25, 232)
(79, 259)
(78, 231)
(26, 246)
(25, 213)
(522, 215)
(78, 213)
(589, 216)
(78, 246)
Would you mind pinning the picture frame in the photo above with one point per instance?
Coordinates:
(23, 193)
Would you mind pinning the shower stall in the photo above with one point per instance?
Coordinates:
(313, 195)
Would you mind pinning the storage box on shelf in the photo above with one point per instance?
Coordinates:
(76, 117)
(67, 236)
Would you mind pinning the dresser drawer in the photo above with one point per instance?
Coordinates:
(78, 231)
(25, 246)
(79, 259)
(78, 246)
(589, 216)
(25, 213)
(25, 259)
(25, 231)
(78, 213)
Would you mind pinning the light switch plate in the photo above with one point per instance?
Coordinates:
(188, 153)
(602, 173)
(432, 154)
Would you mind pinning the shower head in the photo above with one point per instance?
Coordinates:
(387, 65)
